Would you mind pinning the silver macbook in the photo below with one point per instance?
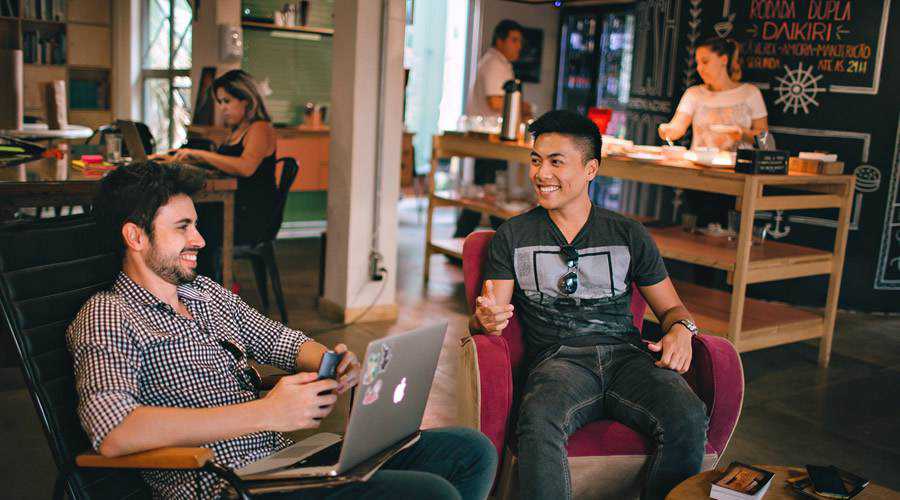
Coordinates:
(396, 378)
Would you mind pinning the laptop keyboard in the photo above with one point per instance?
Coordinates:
(323, 457)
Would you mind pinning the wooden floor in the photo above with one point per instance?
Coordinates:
(794, 413)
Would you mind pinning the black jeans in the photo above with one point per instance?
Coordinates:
(577, 385)
(485, 173)
(452, 463)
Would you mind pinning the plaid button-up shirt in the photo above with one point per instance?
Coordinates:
(130, 349)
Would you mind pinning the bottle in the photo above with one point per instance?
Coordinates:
(512, 110)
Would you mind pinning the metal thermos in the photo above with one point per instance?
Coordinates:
(512, 110)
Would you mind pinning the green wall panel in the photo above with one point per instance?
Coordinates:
(299, 71)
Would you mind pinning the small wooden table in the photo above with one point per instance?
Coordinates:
(48, 182)
(697, 487)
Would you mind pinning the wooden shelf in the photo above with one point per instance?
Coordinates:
(770, 261)
(765, 324)
(42, 21)
(452, 247)
(487, 205)
(484, 205)
(293, 29)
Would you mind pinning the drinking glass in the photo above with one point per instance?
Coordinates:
(689, 222)
(113, 148)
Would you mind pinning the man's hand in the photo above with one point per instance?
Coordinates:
(676, 349)
(348, 370)
(298, 402)
(490, 317)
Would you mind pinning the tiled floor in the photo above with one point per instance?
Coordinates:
(794, 413)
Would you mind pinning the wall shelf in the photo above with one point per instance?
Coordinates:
(292, 29)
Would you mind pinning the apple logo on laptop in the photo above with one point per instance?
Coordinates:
(400, 391)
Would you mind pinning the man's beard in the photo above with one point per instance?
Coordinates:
(168, 268)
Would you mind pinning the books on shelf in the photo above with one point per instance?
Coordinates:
(742, 482)
(45, 10)
(41, 48)
(9, 8)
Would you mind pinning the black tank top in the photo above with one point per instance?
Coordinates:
(254, 201)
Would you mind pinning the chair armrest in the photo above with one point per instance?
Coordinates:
(487, 371)
(160, 458)
(717, 376)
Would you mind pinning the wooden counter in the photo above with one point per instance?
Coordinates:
(48, 182)
(309, 146)
(748, 323)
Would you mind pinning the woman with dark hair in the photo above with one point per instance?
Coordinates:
(248, 153)
(723, 112)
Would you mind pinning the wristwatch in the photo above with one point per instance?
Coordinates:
(690, 325)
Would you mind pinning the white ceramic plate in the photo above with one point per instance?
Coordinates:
(646, 156)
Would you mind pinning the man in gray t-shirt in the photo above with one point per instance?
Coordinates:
(613, 253)
(568, 270)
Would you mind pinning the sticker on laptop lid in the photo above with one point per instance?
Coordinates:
(372, 393)
(376, 363)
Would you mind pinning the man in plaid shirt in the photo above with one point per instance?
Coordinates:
(162, 359)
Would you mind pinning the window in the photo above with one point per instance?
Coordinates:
(166, 69)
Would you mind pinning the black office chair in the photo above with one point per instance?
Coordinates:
(262, 254)
(48, 269)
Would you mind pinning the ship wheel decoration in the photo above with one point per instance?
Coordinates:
(797, 89)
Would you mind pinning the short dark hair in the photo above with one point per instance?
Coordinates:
(501, 31)
(134, 193)
(578, 127)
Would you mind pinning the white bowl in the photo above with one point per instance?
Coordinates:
(703, 156)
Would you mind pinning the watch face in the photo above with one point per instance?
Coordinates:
(689, 325)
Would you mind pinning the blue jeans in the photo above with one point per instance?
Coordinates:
(577, 385)
(451, 463)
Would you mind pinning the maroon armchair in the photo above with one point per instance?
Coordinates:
(606, 458)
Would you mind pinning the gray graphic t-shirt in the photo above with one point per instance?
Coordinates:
(613, 252)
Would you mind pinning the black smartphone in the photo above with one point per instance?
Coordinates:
(328, 367)
(826, 481)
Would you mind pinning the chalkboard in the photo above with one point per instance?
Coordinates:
(800, 48)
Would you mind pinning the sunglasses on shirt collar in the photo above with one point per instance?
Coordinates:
(568, 283)
(250, 373)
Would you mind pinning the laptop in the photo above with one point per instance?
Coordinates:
(397, 374)
(132, 139)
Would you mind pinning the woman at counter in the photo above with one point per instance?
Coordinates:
(248, 154)
(724, 113)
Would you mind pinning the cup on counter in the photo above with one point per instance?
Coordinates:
(759, 234)
(734, 224)
(689, 222)
(113, 148)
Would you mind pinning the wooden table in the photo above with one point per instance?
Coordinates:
(748, 323)
(41, 132)
(51, 182)
(697, 487)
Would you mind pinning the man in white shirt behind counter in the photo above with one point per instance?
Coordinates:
(486, 99)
